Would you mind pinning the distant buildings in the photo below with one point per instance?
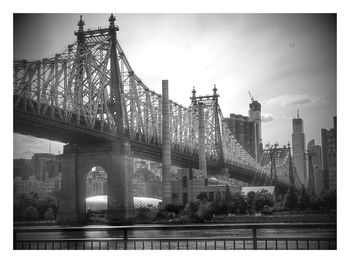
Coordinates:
(255, 115)
(45, 166)
(298, 145)
(96, 182)
(41, 174)
(316, 169)
(190, 184)
(22, 169)
(329, 151)
(245, 132)
(34, 186)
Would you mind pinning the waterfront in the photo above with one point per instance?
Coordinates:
(221, 238)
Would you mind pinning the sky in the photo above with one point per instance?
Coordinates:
(286, 61)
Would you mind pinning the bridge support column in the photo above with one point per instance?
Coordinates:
(166, 147)
(120, 200)
(201, 140)
(116, 160)
(68, 210)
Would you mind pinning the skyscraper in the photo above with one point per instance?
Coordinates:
(329, 152)
(298, 144)
(316, 165)
(244, 131)
(255, 115)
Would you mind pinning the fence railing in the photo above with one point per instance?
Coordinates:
(122, 237)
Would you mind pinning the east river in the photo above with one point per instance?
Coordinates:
(175, 239)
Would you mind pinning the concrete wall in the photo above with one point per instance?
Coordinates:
(115, 159)
(195, 186)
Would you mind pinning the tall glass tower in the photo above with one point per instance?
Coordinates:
(298, 144)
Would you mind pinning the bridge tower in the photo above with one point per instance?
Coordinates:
(290, 167)
(311, 154)
(114, 157)
(208, 128)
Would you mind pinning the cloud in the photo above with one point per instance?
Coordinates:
(296, 99)
(266, 117)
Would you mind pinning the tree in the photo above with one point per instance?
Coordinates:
(216, 205)
(291, 199)
(30, 213)
(304, 199)
(262, 198)
(204, 211)
(191, 209)
(250, 200)
(49, 214)
(329, 200)
(239, 204)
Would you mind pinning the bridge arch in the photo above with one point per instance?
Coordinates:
(78, 160)
(96, 192)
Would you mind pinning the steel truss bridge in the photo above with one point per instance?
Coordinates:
(70, 98)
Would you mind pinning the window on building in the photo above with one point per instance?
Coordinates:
(184, 181)
(190, 174)
(175, 195)
(211, 196)
(184, 199)
(206, 181)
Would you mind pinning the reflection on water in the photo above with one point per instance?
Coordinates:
(214, 233)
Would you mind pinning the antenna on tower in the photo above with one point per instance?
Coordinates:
(298, 113)
(251, 97)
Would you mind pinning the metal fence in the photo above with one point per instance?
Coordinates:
(122, 240)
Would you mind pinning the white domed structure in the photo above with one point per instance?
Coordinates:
(99, 202)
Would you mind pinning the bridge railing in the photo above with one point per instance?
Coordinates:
(237, 236)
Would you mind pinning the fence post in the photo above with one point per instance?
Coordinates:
(14, 238)
(125, 239)
(255, 242)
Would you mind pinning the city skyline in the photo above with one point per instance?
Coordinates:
(287, 62)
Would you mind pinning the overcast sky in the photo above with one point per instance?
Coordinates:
(286, 61)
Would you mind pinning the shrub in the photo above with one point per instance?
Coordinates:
(49, 214)
(329, 199)
(204, 211)
(304, 199)
(239, 204)
(142, 213)
(30, 213)
(191, 209)
(173, 208)
(84, 218)
(216, 206)
(250, 200)
(263, 198)
(163, 215)
(291, 199)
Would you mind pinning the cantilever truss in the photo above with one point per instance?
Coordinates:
(76, 87)
(284, 166)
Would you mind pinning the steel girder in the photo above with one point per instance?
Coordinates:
(74, 87)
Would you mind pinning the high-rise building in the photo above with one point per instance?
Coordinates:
(22, 168)
(255, 115)
(316, 165)
(45, 165)
(96, 183)
(298, 145)
(244, 131)
(329, 151)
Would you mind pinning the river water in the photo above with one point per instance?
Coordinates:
(218, 234)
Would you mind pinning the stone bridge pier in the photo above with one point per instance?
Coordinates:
(78, 160)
